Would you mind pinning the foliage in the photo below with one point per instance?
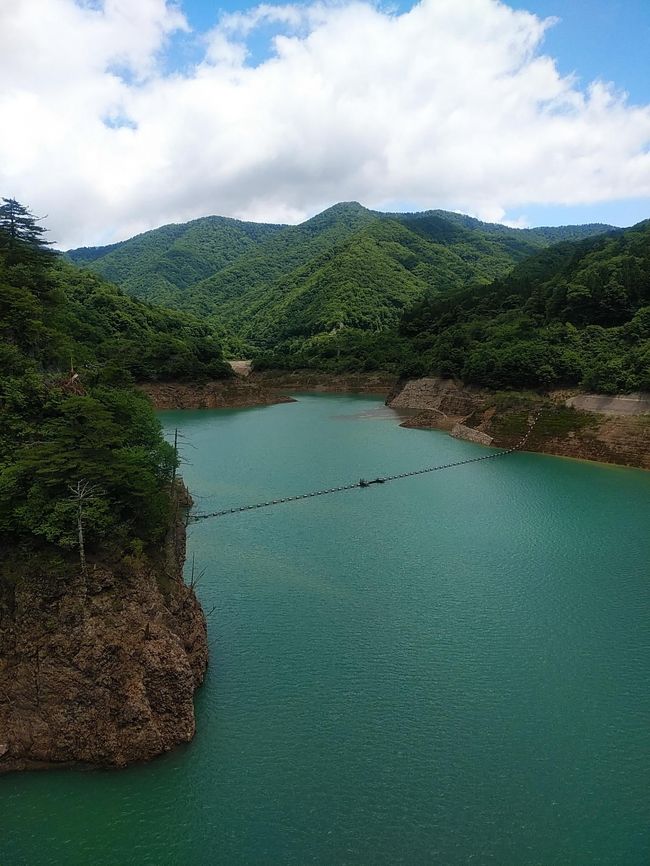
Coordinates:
(70, 345)
(121, 335)
(577, 313)
(19, 225)
(347, 267)
(159, 265)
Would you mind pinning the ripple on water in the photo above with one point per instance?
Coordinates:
(448, 669)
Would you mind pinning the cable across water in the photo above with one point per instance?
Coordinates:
(362, 483)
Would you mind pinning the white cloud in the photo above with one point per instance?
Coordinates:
(449, 105)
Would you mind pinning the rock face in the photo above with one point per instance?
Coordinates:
(261, 389)
(623, 440)
(241, 368)
(469, 434)
(605, 404)
(444, 398)
(102, 668)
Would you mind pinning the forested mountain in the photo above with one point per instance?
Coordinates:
(346, 267)
(577, 313)
(432, 292)
(157, 264)
(70, 345)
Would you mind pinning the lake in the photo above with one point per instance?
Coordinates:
(447, 669)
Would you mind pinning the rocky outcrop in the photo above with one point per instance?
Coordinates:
(241, 368)
(445, 398)
(623, 440)
(469, 434)
(615, 430)
(99, 668)
(233, 393)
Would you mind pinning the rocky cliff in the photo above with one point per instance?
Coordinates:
(98, 668)
(614, 434)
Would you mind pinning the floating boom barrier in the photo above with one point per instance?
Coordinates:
(362, 483)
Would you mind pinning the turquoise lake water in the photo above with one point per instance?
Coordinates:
(448, 669)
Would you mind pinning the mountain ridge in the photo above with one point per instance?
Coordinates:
(248, 277)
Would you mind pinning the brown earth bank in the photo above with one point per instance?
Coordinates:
(501, 418)
(99, 668)
(236, 393)
(261, 389)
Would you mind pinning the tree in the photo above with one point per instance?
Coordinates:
(81, 492)
(17, 224)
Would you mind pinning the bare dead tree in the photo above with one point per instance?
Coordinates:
(175, 456)
(82, 493)
(195, 578)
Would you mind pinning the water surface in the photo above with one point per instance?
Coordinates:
(449, 669)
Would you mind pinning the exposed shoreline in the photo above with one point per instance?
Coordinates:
(607, 436)
(235, 393)
(614, 430)
(262, 389)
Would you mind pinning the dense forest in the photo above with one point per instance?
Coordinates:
(75, 436)
(347, 267)
(160, 265)
(578, 313)
(575, 314)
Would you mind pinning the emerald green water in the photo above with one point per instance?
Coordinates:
(449, 669)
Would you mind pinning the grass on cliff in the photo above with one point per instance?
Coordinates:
(554, 422)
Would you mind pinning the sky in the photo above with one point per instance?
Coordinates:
(119, 116)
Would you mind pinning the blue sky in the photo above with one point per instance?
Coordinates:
(592, 39)
(607, 39)
(122, 120)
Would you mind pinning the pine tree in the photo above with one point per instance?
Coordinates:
(18, 224)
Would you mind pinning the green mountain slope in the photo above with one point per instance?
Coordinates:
(540, 236)
(160, 264)
(276, 256)
(575, 313)
(362, 284)
(368, 280)
(347, 266)
(598, 281)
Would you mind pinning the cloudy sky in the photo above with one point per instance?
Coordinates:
(118, 116)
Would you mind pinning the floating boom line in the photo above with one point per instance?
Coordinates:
(196, 518)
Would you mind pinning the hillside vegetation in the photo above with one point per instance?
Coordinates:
(347, 267)
(70, 420)
(159, 265)
(434, 292)
(577, 313)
